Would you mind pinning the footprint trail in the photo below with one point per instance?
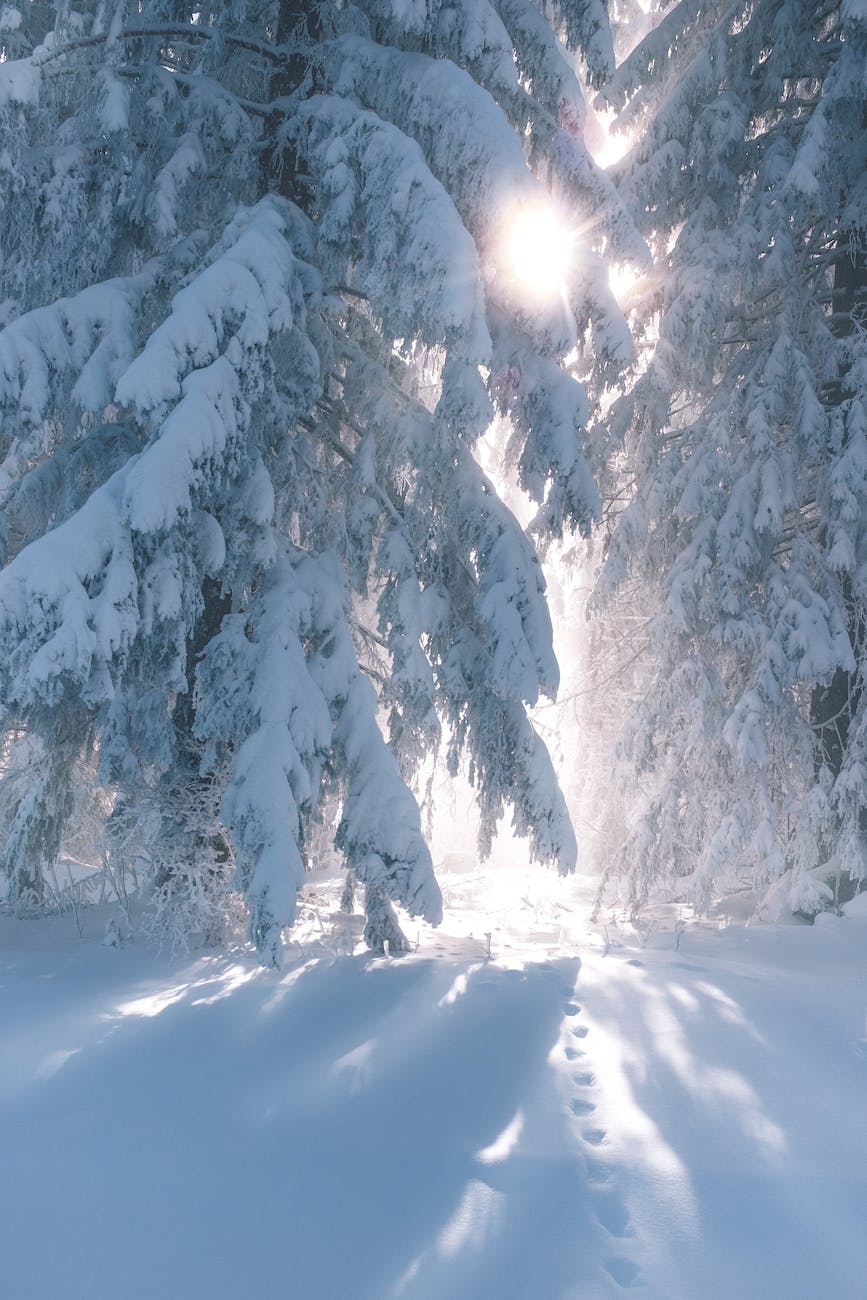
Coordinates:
(608, 1204)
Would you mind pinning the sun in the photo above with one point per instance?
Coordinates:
(539, 248)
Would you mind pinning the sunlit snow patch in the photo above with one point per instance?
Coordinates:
(472, 1221)
(55, 1061)
(459, 986)
(503, 1145)
(354, 1068)
(154, 1003)
(230, 979)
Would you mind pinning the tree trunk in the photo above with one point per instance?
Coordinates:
(298, 24)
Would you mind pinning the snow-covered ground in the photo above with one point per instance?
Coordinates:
(587, 1112)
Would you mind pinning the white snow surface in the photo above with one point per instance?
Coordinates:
(588, 1112)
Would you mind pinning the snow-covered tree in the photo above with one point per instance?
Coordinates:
(742, 447)
(257, 311)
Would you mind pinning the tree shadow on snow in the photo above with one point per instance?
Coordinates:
(358, 1128)
(712, 1099)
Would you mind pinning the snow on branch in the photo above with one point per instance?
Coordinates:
(431, 100)
(72, 351)
(471, 34)
(542, 61)
(585, 29)
(380, 828)
(202, 367)
(19, 82)
(259, 701)
(69, 606)
(547, 408)
(281, 687)
(411, 254)
(510, 598)
(242, 293)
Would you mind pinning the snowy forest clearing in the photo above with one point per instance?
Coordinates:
(581, 1115)
(391, 392)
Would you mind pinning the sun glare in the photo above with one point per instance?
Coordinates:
(623, 281)
(539, 251)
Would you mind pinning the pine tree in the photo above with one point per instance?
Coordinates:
(256, 317)
(742, 439)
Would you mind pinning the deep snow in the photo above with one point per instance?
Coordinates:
(582, 1115)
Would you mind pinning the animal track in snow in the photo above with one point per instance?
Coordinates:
(595, 1136)
(612, 1213)
(598, 1173)
(622, 1270)
(608, 1205)
(582, 1107)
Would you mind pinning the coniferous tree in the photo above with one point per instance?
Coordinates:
(256, 316)
(741, 442)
